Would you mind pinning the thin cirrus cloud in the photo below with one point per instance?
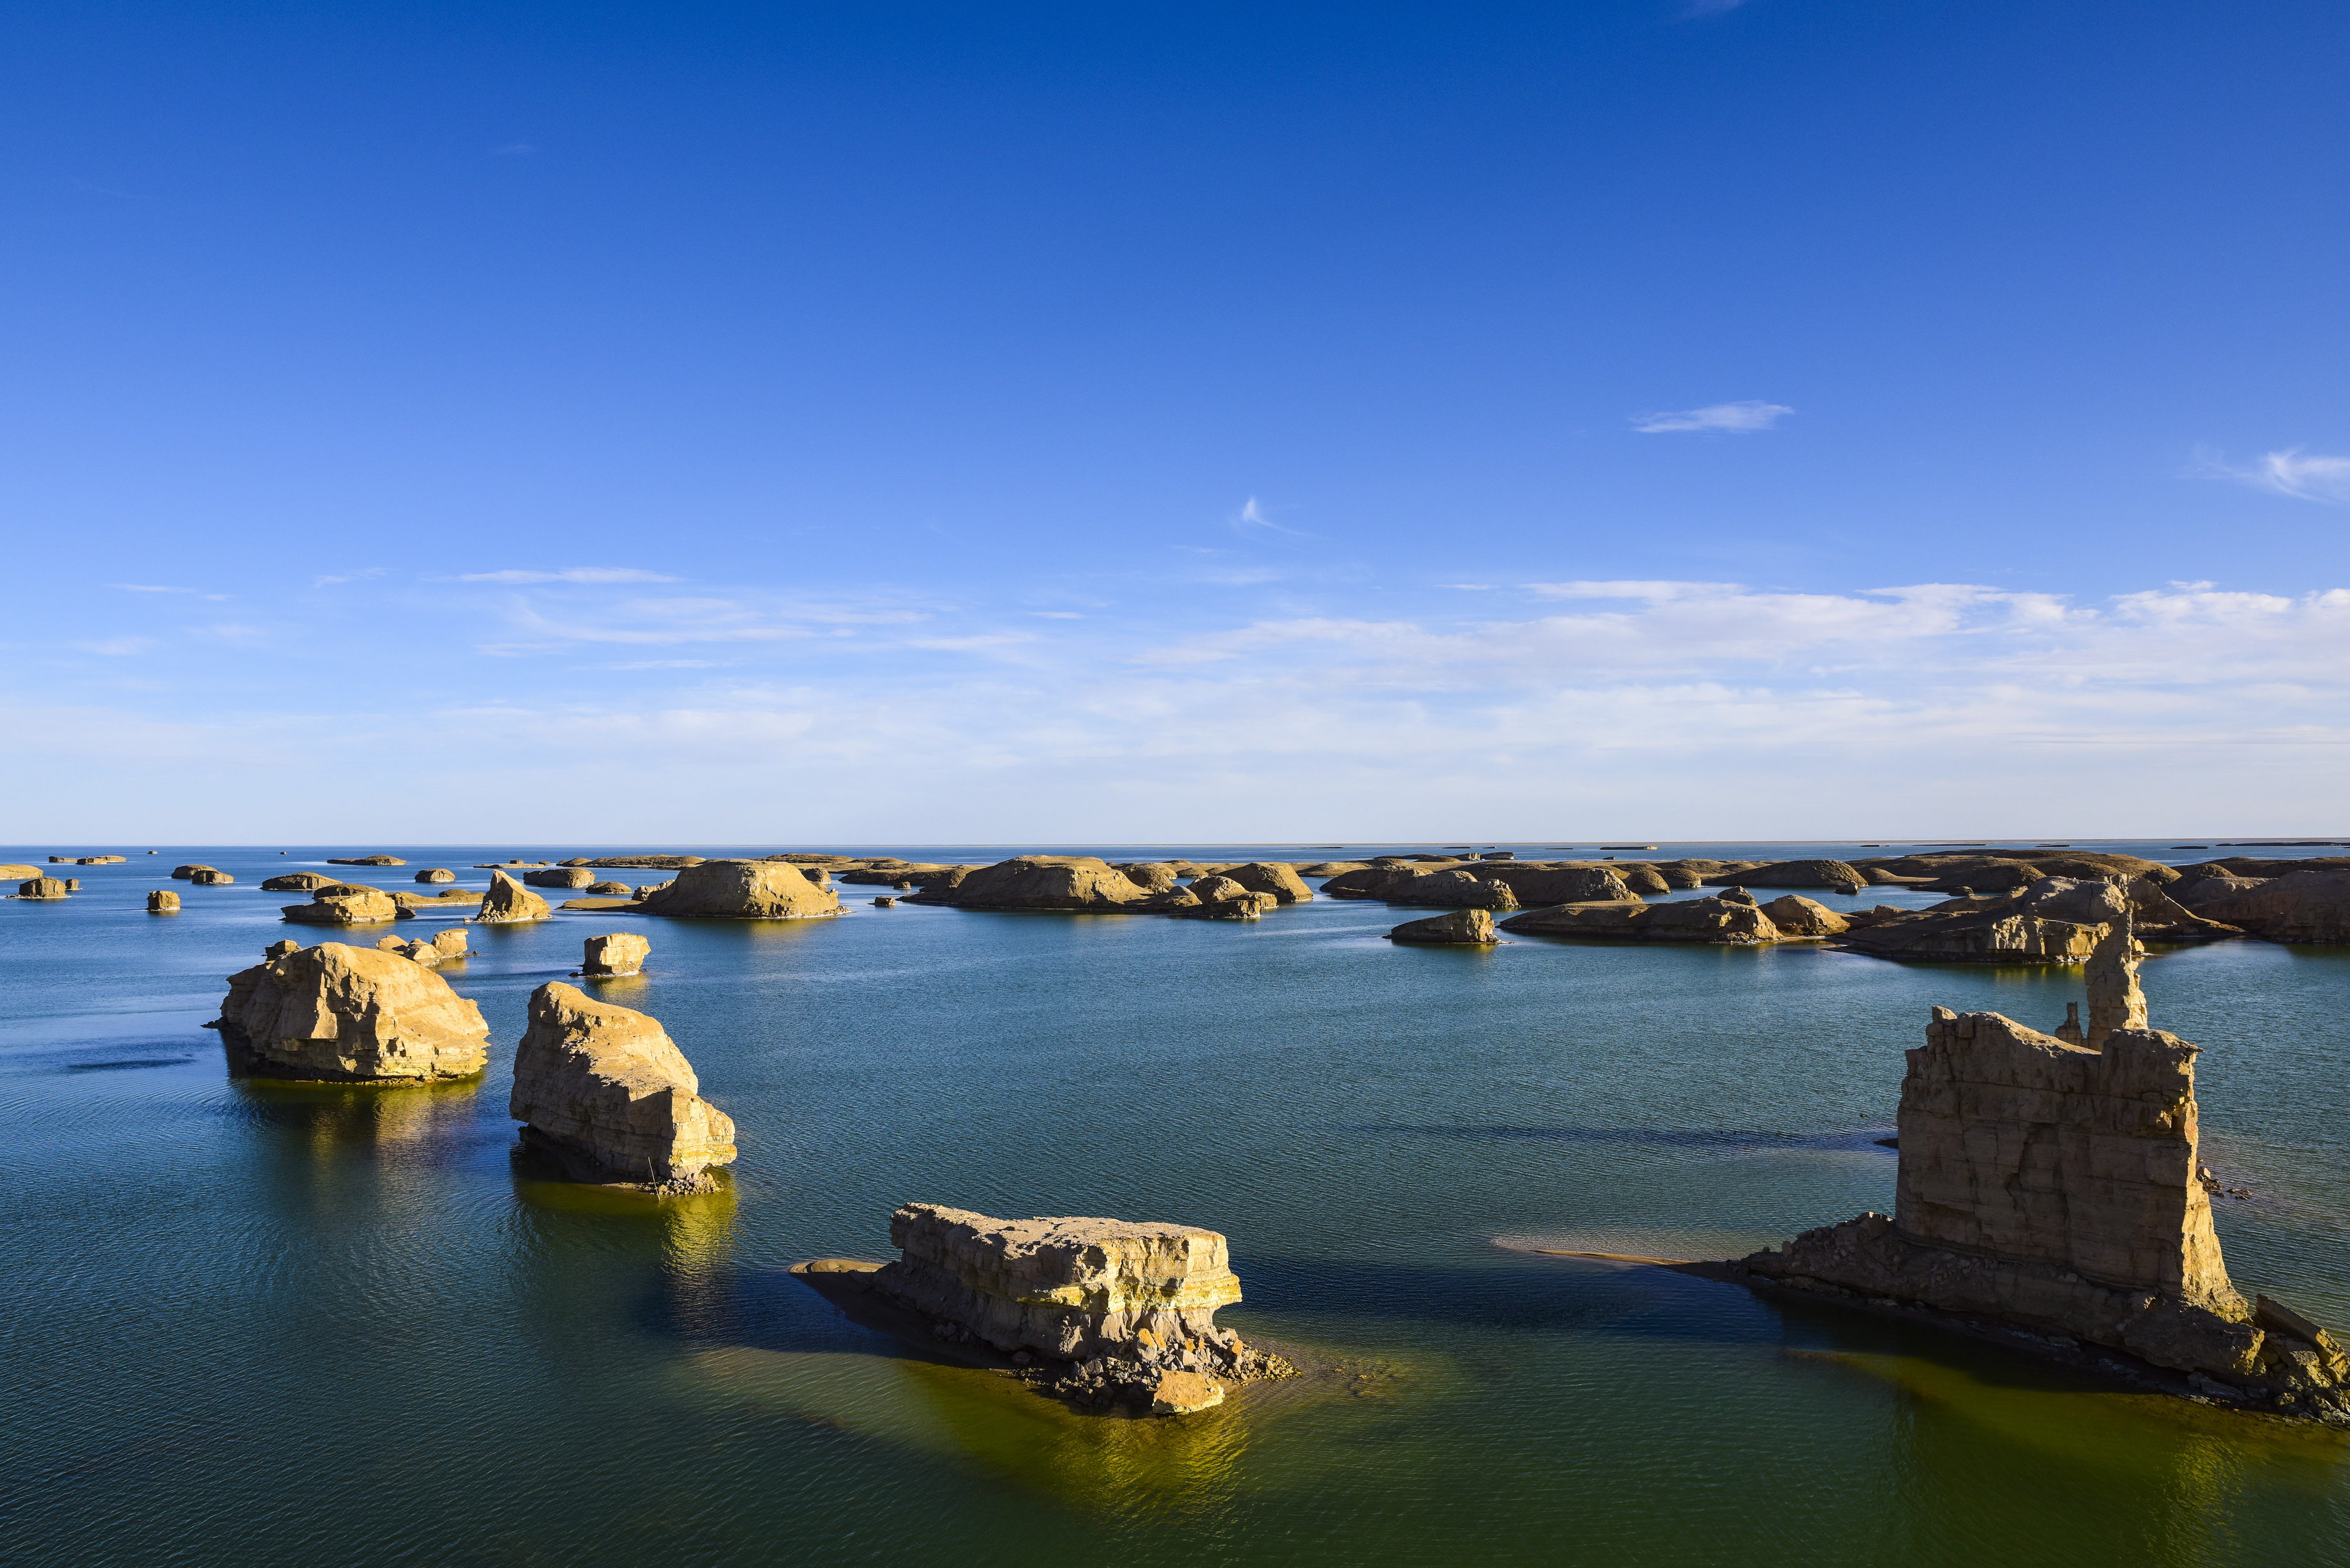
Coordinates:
(2316, 477)
(1251, 522)
(1743, 417)
(572, 574)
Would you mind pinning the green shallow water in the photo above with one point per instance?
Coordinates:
(273, 1324)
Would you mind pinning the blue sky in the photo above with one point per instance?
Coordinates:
(1797, 418)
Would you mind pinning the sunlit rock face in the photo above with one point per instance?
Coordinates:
(1065, 1287)
(2053, 1186)
(605, 1091)
(742, 890)
(337, 1013)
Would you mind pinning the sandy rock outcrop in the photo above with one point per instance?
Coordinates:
(1113, 1306)
(1226, 900)
(1535, 885)
(560, 877)
(606, 1091)
(413, 951)
(1073, 882)
(741, 890)
(1448, 889)
(367, 860)
(212, 880)
(1269, 876)
(294, 882)
(346, 1013)
(182, 873)
(450, 942)
(2053, 1187)
(1796, 916)
(1732, 920)
(509, 903)
(620, 953)
(1151, 875)
(163, 901)
(610, 891)
(1831, 874)
(647, 862)
(436, 874)
(1461, 927)
(1997, 871)
(2297, 907)
(343, 904)
(19, 873)
(1332, 868)
(2055, 920)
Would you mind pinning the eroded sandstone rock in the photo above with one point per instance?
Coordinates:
(509, 903)
(1832, 874)
(163, 901)
(346, 1013)
(436, 874)
(618, 953)
(741, 890)
(1269, 876)
(182, 873)
(560, 877)
(606, 1093)
(2051, 1187)
(1796, 916)
(1068, 882)
(2296, 906)
(1114, 1305)
(210, 878)
(343, 904)
(292, 882)
(1731, 919)
(1461, 927)
(367, 860)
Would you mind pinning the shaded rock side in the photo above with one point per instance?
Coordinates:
(209, 878)
(163, 901)
(620, 953)
(509, 903)
(366, 860)
(43, 888)
(1535, 886)
(2053, 1187)
(606, 1091)
(2297, 907)
(1461, 927)
(1068, 1288)
(1044, 882)
(343, 904)
(560, 877)
(1152, 876)
(342, 1013)
(1732, 920)
(741, 890)
(294, 882)
(1832, 874)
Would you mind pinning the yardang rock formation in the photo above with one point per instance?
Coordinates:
(2053, 1187)
(346, 1013)
(607, 1092)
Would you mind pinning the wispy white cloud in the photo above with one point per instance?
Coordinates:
(1251, 520)
(2316, 477)
(572, 574)
(329, 579)
(1468, 588)
(1716, 419)
(671, 664)
(1057, 615)
(117, 646)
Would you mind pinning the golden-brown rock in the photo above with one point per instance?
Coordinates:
(340, 1012)
(509, 903)
(620, 953)
(1796, 916)
(163, 901)
(1461, 927)
(343, 904)
(606, 1091)
(1066, 882)
(742, 890)
(436, 874)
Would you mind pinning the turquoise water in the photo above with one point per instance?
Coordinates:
(272, 1323)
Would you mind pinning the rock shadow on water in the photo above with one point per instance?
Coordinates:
(1842, 1138)
(355, 1115)
(765, 1337)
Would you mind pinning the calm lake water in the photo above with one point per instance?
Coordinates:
(270, 1325)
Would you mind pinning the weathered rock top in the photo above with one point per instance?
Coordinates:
(606, 1091)
(741, 890)
(340, 1012)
